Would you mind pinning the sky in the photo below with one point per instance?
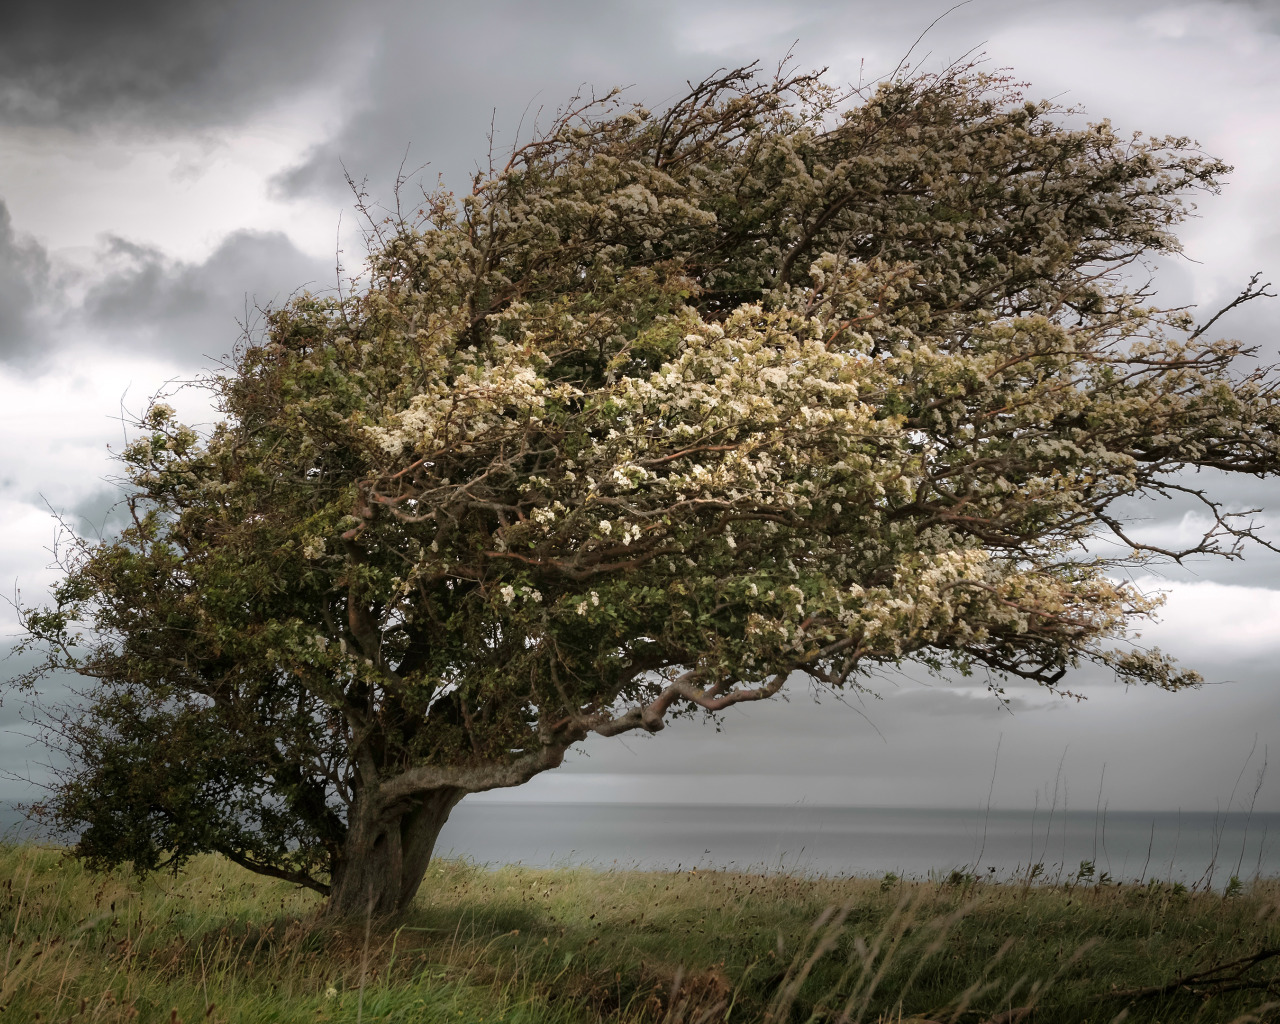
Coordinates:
(166, 169)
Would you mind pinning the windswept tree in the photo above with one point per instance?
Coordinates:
(669, 410)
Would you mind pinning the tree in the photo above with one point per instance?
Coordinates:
(668, 409)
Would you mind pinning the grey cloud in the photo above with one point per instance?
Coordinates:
(440, 75)
(25, 281)
(77, 62)
(1258, 568)
(540, 55)
(1255, 323)
(187, 311)
(432, 73)
(943, 702)
(99, 514)
(936, 746)
(444, 75)
(1157, 521)
(144, 300)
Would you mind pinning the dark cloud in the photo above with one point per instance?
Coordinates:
(188, 311)
(448, 72)
(433, 75)
(440, 75)
(158, 63)
(143, 299)
(25, 281)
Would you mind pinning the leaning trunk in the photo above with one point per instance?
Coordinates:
(386, 854)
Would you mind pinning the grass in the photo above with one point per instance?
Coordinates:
(529, 946)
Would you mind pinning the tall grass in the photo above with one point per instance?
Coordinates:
(531, 946)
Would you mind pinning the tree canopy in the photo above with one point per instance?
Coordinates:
(669, 409)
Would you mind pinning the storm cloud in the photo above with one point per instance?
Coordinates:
(505, 60)
(25, 281)
(160, 65)
(191, 313)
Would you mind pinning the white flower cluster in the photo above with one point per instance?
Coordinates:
(313, 548)
(526, 593)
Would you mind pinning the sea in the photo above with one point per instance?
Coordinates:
(1194, 848)
(1191, 847)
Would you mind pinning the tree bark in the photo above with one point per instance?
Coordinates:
(386, 854)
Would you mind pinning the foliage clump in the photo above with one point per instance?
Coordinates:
(668, 409)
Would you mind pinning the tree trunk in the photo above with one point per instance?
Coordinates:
(386, 853)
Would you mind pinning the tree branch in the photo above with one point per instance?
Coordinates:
(650, 717)
(1248, 293)
(297, 877)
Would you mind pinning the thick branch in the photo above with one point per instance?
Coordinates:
(479, 778)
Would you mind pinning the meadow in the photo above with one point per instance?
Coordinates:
(570, 946)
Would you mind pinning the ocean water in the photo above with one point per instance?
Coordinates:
(1192, 847)
(1185, 847)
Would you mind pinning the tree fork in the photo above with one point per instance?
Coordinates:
(386, 854)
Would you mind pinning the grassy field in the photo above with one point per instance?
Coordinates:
(218, 944)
